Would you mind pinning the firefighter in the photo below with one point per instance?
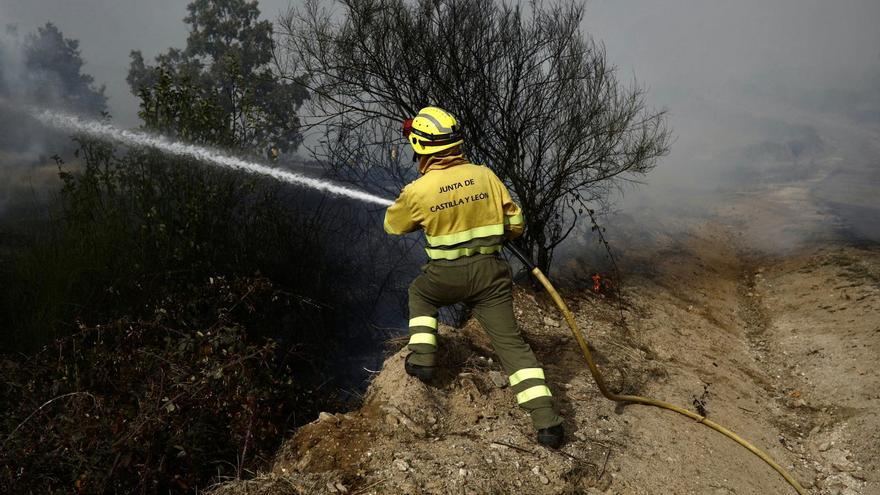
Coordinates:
(466, 213)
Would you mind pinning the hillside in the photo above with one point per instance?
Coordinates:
(778, 346)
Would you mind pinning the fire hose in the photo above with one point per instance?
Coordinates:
(603, 387)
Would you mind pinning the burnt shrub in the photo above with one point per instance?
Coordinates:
(168, 402)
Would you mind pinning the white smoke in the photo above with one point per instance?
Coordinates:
(102, 130)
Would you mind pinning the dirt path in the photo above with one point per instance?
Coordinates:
(815, 330)
(820, 341)
(806, 330)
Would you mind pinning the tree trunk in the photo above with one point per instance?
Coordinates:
(543, 258)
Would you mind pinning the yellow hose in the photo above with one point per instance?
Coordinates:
(600, 382)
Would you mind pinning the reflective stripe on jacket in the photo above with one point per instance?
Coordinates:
(463, 208)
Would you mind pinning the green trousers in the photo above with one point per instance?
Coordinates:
(483, 282)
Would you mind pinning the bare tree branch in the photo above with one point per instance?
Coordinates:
(538, 100)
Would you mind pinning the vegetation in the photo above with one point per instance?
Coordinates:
(128, 228)
(221, 89)
(537, 98)
(54, 71)
(175, 361)
(171, 320)
(166, 402)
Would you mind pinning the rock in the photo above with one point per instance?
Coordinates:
(470, 388)
(336, 487)
(406, 487)
(580, 436)
(843, 466)
(408, 423)
(550, 322)
(325, 416)
(414, 428)
(401, 465)
(838, 487)
(462, 472)
(391, 420)
(824, 446)
(498, 379)
(543, 479)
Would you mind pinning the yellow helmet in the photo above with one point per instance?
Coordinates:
(431, 131)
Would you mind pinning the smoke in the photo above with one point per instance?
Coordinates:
(783, 161)
(40, 68)
(773, 102)
(15, 142)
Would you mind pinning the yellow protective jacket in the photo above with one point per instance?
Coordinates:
(463, 208)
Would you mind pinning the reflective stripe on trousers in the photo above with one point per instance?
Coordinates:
(529, 384)
(423, 337)
(423, 330)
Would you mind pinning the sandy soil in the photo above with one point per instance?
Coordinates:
(772, 330)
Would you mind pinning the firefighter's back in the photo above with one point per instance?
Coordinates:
(461, 209)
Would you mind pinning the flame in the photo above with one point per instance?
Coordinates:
(601, 284)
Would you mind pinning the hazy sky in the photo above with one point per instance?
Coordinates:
(672, 46)
(699, 43)
(732, 73)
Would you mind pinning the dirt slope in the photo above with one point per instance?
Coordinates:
(781, 348)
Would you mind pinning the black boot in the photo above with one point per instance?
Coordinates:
(424, 373)
(553, 436)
